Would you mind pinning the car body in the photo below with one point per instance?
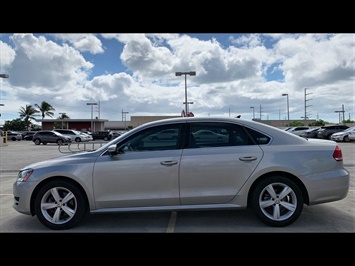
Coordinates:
(271, 171)
(310, 133)
(325, 132)
(298, 130)
(104, 135)
(75, 135)
(13, 135)
(347, 135)
(49, 136)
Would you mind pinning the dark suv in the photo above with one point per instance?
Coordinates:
(326, 132)
(100, 135)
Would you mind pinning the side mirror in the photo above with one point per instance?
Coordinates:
(112, 150)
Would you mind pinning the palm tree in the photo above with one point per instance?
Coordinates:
(28, 113)
(46, 109)
(63, 116)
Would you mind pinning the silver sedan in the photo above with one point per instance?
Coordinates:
(255, 166)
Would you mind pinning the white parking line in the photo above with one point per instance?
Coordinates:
(172, 221)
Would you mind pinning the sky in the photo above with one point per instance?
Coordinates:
(133, 74)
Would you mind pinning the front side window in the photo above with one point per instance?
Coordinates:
(153, 139)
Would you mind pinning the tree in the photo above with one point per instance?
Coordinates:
(61, 124)
(28, 113)
(15, 125)
(46, 109)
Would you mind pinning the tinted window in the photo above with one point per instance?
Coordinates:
(147, 139)
(217, 135)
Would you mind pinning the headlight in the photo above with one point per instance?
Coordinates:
(24, 175)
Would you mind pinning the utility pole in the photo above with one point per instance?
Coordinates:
(305, 103)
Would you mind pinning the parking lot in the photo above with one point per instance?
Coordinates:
(331, 217)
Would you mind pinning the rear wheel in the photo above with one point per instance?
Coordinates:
(37, 141)
(60, 205)
(277, 201)
(346, 139)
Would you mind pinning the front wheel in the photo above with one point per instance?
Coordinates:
(277, 201)
(60, 205)
(346, 139)
(60, 142)
(37, 141)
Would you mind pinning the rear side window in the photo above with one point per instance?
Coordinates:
(217, 135)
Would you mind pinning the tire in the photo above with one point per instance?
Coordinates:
(105, 138)
(346, 139)
(44, 143)
(37, 141)
(277, 211)
(60, 205)
(60, 142)
(77, 139)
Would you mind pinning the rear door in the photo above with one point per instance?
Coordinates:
(213, 171)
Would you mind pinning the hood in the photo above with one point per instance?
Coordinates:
(73, 158)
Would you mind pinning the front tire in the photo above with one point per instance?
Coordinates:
(277, 201)
(37, 141)
(60, 205)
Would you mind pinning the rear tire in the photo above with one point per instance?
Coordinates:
(346, 139)
(37, 141)
(277, 201)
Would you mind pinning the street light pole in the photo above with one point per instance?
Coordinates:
(288, 108)
(253, 111)
(92, 105)
(191, 73)
(4, 76)
(124, 117)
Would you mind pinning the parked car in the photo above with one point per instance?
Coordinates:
(104, 135)
(13, 135)
(208, 135)
(257, 166)
(165, 134)
(113, 134)
(75, 135)
(326, 131)
(49, 136)
(311, 133)
(298, 130)
(27, 135)
(347, 135)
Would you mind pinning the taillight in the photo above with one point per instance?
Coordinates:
(337, 154)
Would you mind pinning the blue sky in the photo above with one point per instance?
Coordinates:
(135, 73)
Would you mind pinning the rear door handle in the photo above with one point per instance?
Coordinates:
(168, 163)
(248, 158)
